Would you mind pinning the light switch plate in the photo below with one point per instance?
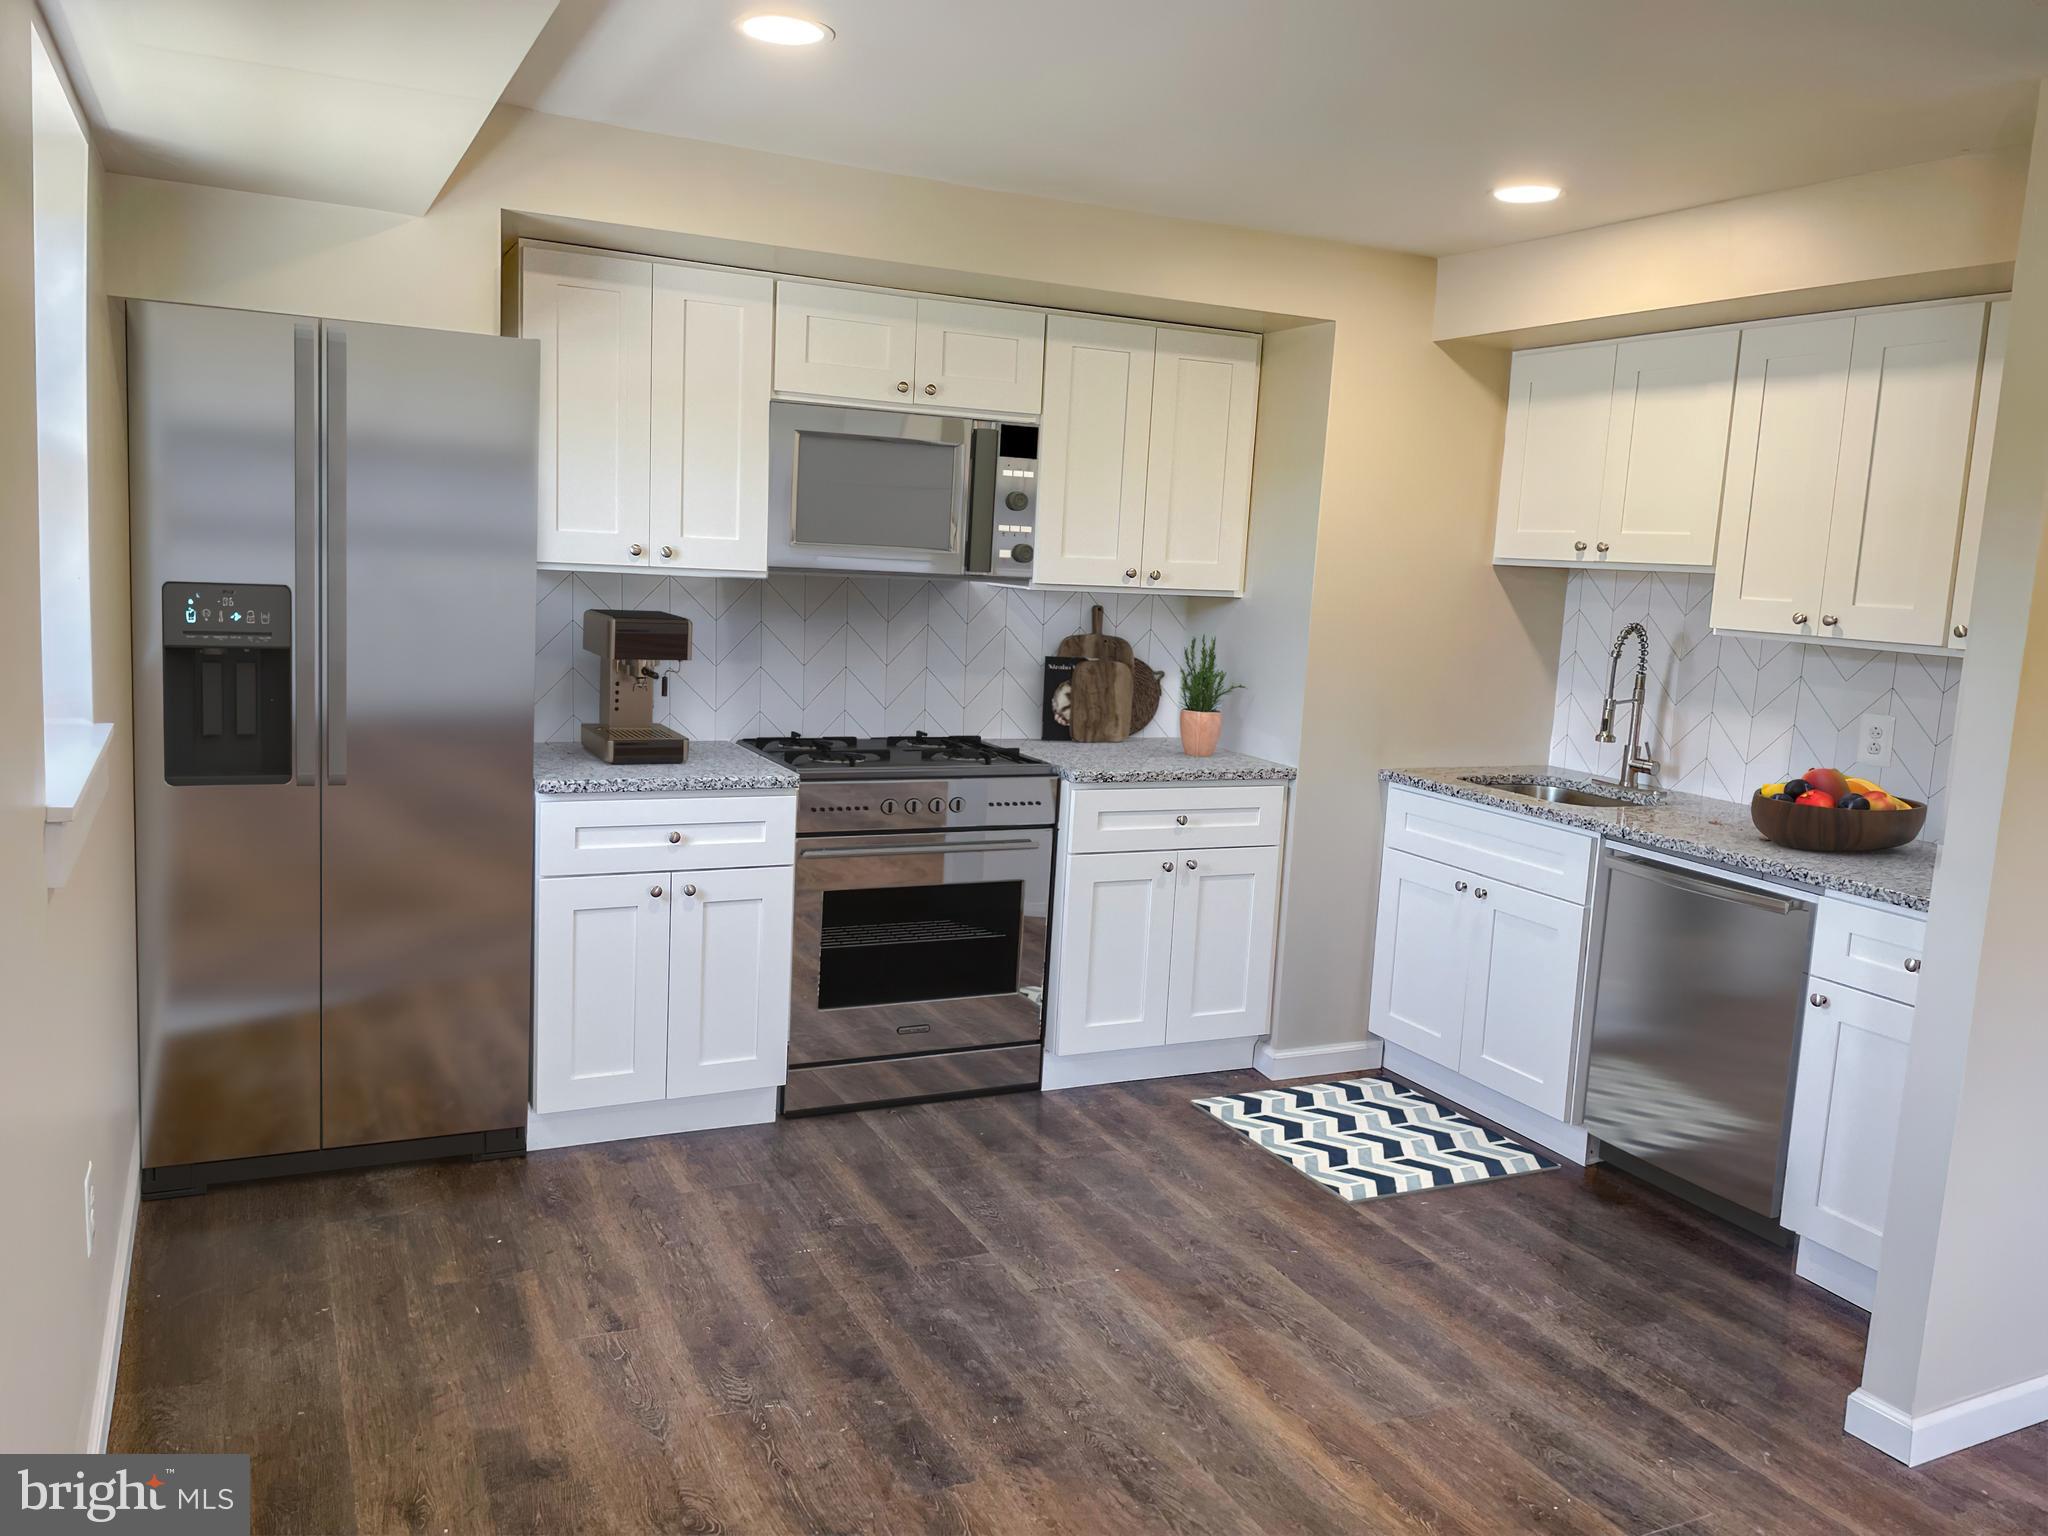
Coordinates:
(1874, 743)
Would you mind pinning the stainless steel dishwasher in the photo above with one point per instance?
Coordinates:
(1696, 1011)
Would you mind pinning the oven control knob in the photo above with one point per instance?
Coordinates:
(938, 806)
(957, 804)
(910, 805)
(888, 807)
(1016, 501)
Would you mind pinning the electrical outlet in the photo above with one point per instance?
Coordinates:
(1874, 746)
(91, 1215)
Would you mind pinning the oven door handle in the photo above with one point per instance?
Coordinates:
(883, 850)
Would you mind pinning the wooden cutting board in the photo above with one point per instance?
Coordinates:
(1102, 700)
(1096, 644)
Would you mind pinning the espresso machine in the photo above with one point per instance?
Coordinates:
(630, 643)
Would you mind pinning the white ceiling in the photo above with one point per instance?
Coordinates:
(1379, 121)
(370, 102)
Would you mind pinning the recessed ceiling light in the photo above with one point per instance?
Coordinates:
(1526, 192)
(785, 31)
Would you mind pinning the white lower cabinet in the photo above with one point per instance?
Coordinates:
(1845, 1119)
(1522, 995)
(659, 983)
(1164, 945)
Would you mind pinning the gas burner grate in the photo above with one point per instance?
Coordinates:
(937, 930)
(839, 757)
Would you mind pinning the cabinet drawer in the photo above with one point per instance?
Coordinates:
(1133, 820)
(1858, 946)
(1497, 845)
(628, 836)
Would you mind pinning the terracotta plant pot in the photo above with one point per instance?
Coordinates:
(1199, 729)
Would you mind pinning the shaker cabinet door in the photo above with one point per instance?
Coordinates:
(1522, 994)
(729, 980)
(979, 357)
(1092, 447)
(1220, 985)
(1115, 943)
(712, 353)
(1554, 460)
(1419, 956)
(1849, 1091)
(600, 1003)
(1667, 444)
(845, 343)
(1198, 478)
(1988, 393)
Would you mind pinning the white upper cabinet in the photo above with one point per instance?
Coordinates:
(1784, 447)
(1092, 447)
(845, 343)
(1988, 392)
(1145, 456)
(1667, 442)
(713, 335)
(984, 358)
(1898, 502)
(1554, 461)
(1198, 484)
(591, 315)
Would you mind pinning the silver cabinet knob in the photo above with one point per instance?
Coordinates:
(1167, 866)
(931, 389)
(903, 386)
(1180, 821)
(1913, 966)
(668, 551)
(675, 837)
(656, 893)
(689, 890)
(1829, 621)
(1131, 574)
(635, 551)
(1819, 999)
(1480, 893)
(1962, 631)
(1798, 618)
(1459, 885)
(1601, 547)
(1579, 545)
(1153, 577)
(1191, 863)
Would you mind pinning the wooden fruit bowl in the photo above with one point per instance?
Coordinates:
(1825, 829)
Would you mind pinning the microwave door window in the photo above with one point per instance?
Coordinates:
(875, 493)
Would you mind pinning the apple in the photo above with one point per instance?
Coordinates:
(1816, 797)
(1828, 781)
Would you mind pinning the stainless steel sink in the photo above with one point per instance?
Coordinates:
(1556, 794)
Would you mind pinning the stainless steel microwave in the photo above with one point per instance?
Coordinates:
(892, 491)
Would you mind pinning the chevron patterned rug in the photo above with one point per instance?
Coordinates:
(1368, 1137)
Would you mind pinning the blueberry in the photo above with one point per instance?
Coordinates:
(1794, 788)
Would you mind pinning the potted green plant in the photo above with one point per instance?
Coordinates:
(1202, 687)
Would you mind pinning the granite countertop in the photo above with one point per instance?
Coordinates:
(564, 768)
(1149, 760)
(1695, 827)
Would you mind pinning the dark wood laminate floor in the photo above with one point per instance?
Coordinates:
(1094, 1311)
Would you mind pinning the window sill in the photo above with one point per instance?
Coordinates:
(75, 774)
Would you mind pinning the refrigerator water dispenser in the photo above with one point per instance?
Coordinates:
(227, 683)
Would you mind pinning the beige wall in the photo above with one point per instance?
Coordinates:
(1417, 648)
(1958, 1309)
(67, 958)
(1923, 231)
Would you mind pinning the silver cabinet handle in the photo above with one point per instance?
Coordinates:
(1191, 863)
(1962, 631)
(1167, 866)
(689, 890)
(1819, 999)
(1579, 545)
(1798, 618)
(1131, 574)
(334, 558)
(931, 389)
(1913, 966)
(1480, 893)
(1153, 577)
(1181, 820)
(668, 551)
(1602, 547)
(635, 551)
(1829, 621)
(903, 386)
(675, 837)
(1459, 885)
(656, 893)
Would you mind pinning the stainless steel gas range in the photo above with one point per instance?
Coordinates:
(923, 890)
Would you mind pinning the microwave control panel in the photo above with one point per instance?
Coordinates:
(1016, 500)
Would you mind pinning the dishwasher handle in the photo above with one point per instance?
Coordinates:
(1720, 890)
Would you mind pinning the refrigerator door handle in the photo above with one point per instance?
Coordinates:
(334, 560)
(305, 549)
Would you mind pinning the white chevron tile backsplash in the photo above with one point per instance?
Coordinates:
(1727, 714)
(843, 655)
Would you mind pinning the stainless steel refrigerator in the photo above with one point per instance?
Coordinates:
(332, 555)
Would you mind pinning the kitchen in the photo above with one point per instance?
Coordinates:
(822, 934)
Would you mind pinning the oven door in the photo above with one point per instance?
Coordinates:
(865, 490)
(921, 941)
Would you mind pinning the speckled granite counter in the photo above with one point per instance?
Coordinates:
(1149, 760)
(1694, 827)
(564, 768)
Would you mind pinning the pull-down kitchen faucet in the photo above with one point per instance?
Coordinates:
(1638, 768)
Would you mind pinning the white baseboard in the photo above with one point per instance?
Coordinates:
(1836, 1273)
(117, 1302)
(1147, 1061)
(1570, 1142)
(660, 1117)
(1916, 1440)
(1318, 1060)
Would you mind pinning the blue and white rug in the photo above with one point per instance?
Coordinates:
(1368, 1137)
